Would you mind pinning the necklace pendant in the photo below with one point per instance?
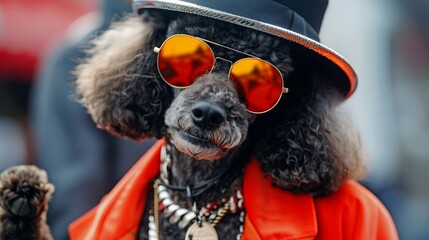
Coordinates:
(202, 231)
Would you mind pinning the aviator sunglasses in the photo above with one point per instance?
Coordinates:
(184, 58)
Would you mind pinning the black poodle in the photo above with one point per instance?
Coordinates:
(24, 196)
(303, 143)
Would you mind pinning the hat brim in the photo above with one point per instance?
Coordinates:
(345, 77)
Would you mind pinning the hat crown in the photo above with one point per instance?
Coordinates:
(281, 13)
(312, 11)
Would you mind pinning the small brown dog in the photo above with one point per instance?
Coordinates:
(24, 196)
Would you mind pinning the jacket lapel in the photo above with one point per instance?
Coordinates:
(273, 213)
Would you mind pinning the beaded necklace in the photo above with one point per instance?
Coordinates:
(200, 224)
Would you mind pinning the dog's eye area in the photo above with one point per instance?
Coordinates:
(184, 58)
(258, 82)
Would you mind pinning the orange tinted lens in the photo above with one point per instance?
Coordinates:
(259, 83)
(182, 59)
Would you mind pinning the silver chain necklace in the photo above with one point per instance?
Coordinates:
(203, 221)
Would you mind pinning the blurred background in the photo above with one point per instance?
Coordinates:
(28, 31)
(387, 42)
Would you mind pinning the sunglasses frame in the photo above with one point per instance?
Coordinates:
(205, 41)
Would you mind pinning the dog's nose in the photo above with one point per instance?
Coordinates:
(207, 115)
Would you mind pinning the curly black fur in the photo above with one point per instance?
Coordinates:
(128, 96)
(24, 196)
(256, 43)
(143, 95)
(297, 152)
(138, 101)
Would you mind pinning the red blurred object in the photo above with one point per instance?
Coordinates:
(28, 28)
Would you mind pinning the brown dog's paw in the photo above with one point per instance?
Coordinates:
(24, 191)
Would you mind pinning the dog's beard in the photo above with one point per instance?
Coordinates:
(203, 144)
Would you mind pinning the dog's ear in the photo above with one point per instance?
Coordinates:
(313, 149)
(118, 81)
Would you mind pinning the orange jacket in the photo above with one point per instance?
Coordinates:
(271, 213)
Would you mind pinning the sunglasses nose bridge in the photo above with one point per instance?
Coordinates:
(223, 59)
(215, 63)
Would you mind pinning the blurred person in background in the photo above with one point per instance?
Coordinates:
(21, 47)
(83, 162)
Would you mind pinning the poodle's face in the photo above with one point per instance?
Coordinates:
(208, 119)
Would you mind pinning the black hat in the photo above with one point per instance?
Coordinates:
(297, 21)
